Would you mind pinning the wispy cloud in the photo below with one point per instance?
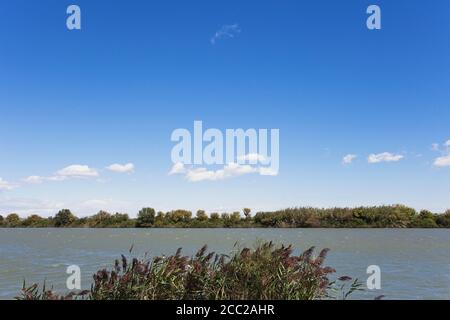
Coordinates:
(226, 31)
(34, 179)
(348, 159)
(72, 171)
(444, 160)
(40, 179)
(252, 157)
(6, 185)
(177, 168)
(121, 168)
(384, 157)
(230, 170)
(265, 171)
(435, 147)
(77, 171)
(94, 205)
(27, 206)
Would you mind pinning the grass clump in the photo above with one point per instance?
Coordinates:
(267, 272)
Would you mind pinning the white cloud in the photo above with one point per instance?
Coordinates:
(88, 207)
(73, 171)
(349, 158)
(443, 161)
(384, 157)
(5, 185)
(27, 206)
(56, 178)
(108, 204)
(436, 146)
(96, 203)
(121, 168)
(40, 179)
(177, 168)
(267, 171)
(230, 170)
(226, 31)
(77, 171)
(252, 157)
(35, 179)
(201, 174)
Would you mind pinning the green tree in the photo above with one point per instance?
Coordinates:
(201, 215)
(145, 218)
(425, 214)
(226, 219)
(160, 219)
(50, 222)
(247, 212)
(120, 217)
(444, 219)
(426, 219)
(12, 220)
(101, 219)
(214, 217)
(235, 217)
(33, 221)
(179, 215)
(64, 218)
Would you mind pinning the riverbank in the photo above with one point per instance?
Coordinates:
(395, 216)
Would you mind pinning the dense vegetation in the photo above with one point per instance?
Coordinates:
(268, 272)
(397, 216)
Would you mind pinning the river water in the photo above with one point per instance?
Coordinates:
(414, 263)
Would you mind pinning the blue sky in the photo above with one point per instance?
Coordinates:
(113, 92)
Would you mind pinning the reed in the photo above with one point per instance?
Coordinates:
(267, 272)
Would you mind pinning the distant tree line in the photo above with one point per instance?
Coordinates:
(396, 216)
